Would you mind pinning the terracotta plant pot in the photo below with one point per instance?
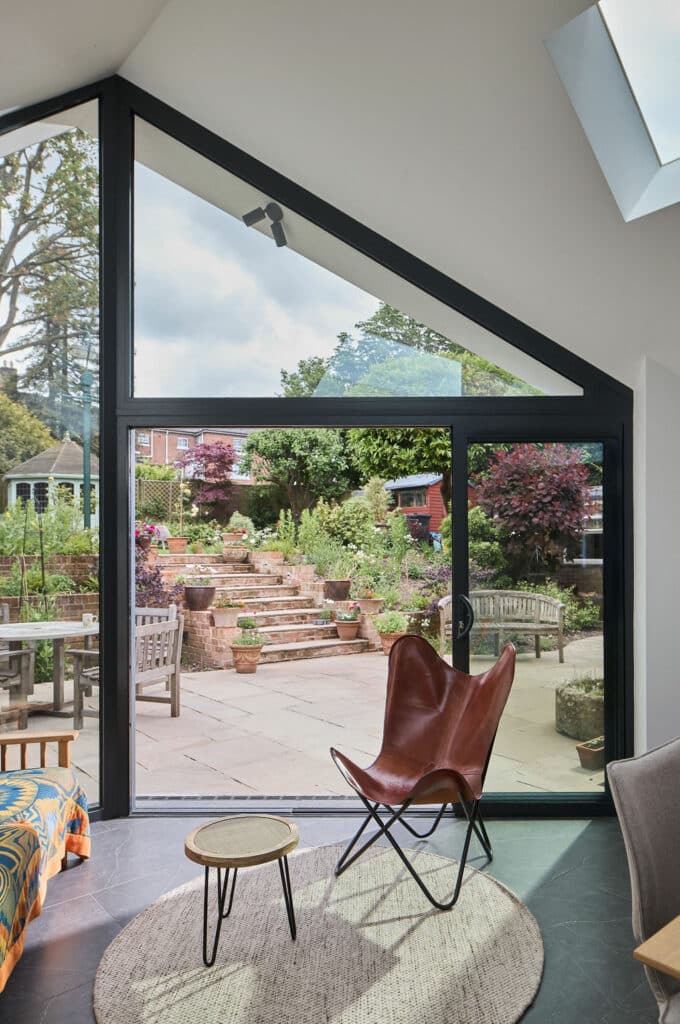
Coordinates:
(199, 599)
(235, 553)
(591, 757)
(143, 542)
(226, 616)
(388, 641)
(337, 590)
(245, 658)
(232, 535)
(347, 630)
(177, 545)
(370, 605)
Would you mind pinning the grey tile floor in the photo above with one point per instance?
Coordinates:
(572, 874)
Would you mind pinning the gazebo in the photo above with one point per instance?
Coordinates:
(43, 475)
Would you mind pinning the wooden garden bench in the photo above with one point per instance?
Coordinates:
(501, 612)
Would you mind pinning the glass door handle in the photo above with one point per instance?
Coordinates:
(466, 616)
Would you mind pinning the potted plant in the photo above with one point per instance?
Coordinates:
(338, 584)
(246, 650)
(145, 533)
(324, 617)
(347, 621)
(390, 626)
(591, 754)
(198, 593)
(235, 551)
(368, 601)
(226, 611)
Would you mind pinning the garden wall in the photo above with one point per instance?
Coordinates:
(78, 567)
(70, 607)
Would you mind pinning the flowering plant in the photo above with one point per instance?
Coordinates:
(228, 602)
(349, 614)
(144, 531)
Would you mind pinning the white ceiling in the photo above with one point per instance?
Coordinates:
(443, 125)
(50, 47)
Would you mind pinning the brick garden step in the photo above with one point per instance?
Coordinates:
(248, 593)
(225, 580)
(276, 604)
(311, 649)
(298, 632)
(284, 616)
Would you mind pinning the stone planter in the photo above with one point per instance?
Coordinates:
(347, 630)
(370, 605)
(226, 616)
(336, 590)
(578, 714)
(199, 599)
(591, 754)
(388, 640)
(235, 553)
(176, 545)
(245, 658)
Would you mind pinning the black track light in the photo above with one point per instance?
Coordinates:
(275, 214)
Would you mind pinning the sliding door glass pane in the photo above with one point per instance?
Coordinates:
(49, 425)
(536, 521)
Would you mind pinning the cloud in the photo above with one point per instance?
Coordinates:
(219, 310)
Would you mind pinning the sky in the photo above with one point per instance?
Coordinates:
(646, 34)
(219, 309)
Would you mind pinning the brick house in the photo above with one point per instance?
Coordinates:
(163, 446)
(420, 494)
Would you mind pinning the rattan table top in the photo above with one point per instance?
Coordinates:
(241, 840)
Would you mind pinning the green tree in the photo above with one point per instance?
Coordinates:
(49, 226)
(400, 451)
(22, 435)
(303, 382)
(305, 464)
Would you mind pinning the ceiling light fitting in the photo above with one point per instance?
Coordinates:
(275, 214)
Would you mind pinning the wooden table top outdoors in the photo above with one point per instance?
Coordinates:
(661, 951)
(57, 629)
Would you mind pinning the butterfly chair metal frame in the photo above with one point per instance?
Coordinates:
(466, 791)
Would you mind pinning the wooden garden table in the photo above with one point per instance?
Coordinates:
(18, 633)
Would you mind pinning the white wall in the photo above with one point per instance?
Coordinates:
(658, 652)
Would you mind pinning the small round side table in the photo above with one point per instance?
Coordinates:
(240, 841)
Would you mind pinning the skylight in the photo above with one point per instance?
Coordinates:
(646, 34)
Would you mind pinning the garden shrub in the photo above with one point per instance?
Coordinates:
(209, 534)
(579, 614)
(238, 521)
(350, 522)
(55, 583)
(62, 526)
(379, 500)
(152, 509)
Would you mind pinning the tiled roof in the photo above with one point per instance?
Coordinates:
(417, 480)
(64, 459)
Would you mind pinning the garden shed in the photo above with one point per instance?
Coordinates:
(58, 467)
(420, 494)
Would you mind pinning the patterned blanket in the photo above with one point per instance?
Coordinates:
(43, 815)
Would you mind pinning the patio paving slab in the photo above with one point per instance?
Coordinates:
(269, 734)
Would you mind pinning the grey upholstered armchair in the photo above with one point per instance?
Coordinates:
(646, 792)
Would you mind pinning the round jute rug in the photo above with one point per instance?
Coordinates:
(370, 949)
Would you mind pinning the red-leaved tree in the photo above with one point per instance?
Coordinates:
(538, 499)
(209, 467)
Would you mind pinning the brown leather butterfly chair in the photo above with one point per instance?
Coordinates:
(440, 725)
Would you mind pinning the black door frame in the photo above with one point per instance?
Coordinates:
(603, 412)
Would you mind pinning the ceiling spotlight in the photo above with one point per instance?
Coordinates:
(254, 217)
(275, 214)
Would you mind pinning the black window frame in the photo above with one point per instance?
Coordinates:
(604, 412)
